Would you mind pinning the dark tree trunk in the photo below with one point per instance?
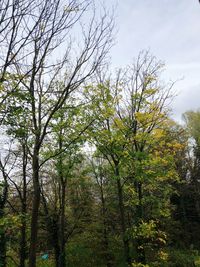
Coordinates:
(52, 227)
(57, 253)
(122, 218)
(62, 256)
(35, 210)
(3, 199)
(23, 248)
(23, 243)
(62, 181)
(56, 225)
(108, 256)
(141, 258)
(2, 243)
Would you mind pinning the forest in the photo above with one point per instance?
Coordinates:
(94, 172)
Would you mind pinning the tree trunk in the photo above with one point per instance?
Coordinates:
(52, 227)
(23, 248)
(2, 244)
(122, 218)
(141, 258)
(62, 256)
(23, 243)
(108, 256)
(3, 200)
(57, 253)
(35, 209)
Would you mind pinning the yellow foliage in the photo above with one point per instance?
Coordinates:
(163, 255)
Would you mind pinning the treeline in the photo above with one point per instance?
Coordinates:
(93, 170)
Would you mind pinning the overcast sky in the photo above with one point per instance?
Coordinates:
(171, 30)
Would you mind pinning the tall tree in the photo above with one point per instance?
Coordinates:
(132, 106)
(63, 150)
(48, 27)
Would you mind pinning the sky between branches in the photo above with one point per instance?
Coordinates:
(170, 29)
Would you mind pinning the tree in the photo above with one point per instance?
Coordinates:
(64, 152)
(192, 124)
(110, 142)
(6, 167)
(140, 113)
(48, 25)
(3, 198)
(187, 213)
(100, 170)
(133, 107)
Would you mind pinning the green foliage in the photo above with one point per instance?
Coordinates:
(133, 172)
(139, 265)
(182, 258)
(192, 120)
(10, 223)
(45, 263)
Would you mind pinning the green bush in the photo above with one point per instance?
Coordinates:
(178, 258)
